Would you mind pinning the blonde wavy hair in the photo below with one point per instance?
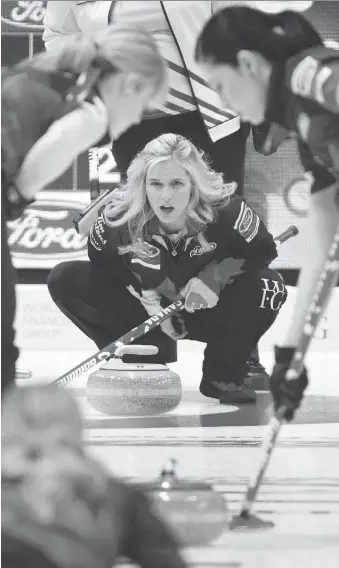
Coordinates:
(130, 205)
(118, 48)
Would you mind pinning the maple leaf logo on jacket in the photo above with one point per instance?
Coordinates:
(222, 274)
(231, 267)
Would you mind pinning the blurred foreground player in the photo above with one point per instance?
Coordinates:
(60, 508)
(56, 106)
(274, 68)
(173, 230)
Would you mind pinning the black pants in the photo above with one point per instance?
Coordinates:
(226, 156)
(102, 310)
(9, 352)
(245, 311)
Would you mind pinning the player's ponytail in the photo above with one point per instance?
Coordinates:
(291, 33)
(78, 55)
(118, 48)
(275, 36)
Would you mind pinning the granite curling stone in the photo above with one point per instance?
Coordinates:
(196, 514)
(133, 389)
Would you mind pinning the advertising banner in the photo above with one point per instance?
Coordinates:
(41, 325)
(278, 189)
(22, 16)
(45, 235)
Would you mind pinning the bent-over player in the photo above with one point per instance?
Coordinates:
(54, 108)
(61, 508)
(274, 70)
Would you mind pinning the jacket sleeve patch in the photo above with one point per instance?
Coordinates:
(315, 80)
(97, 234)
(247, 223)
(303, 75)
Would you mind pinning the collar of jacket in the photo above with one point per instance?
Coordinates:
(153, 228)
(59, 81)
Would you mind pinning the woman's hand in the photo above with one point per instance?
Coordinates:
(198, 296)
(174, 327)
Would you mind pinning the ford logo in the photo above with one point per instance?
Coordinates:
(24, 14)
(45, 232)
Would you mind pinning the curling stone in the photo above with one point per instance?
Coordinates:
(195, 513)
(133, 389)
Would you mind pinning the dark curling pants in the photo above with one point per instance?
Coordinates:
(103, 310)
(245, 311)
(9, 352)
(226, 156)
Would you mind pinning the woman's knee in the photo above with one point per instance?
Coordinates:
(61, 282)
(273, 291)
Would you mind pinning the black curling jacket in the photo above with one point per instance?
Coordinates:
(238, 241)
(303, 100)
(34, 95)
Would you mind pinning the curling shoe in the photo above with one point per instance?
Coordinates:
(233, 394)
(228, 393)
(257, 377)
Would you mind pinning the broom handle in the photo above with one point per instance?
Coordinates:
(327, 281)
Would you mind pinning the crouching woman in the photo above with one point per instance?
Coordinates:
(174, 230)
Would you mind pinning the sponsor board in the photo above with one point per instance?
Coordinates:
(44, 235)
(326, 336)
(23, 16)
(107, 168)
(270, 190)
(297, 194)
(40, 325)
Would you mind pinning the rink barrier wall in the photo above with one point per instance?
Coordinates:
(41, 325)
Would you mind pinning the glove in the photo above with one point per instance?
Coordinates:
(198, 296)
(174, 327)
(286, 393)
(267, 137)
(14, 203)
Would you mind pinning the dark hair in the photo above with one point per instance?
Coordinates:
(275, 36)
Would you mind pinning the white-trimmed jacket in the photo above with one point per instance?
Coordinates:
(185, 20)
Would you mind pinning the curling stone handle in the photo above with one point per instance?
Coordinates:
(136, 350)
(169, 469)
(23, 374)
